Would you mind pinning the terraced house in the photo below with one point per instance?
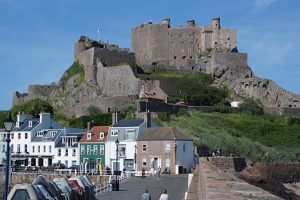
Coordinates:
(92, 146)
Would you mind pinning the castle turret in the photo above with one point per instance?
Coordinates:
(79, 47)
(191, 23)
(215, 23)
(166, 21)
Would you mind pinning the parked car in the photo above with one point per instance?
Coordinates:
(73, 167)
(56, 166)
(30, 169)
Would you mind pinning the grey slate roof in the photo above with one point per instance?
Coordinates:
(25, 125)
(163, 133)
(47, 134)
(128, 123)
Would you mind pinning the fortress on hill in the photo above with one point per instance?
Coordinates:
(110, 78)
(161, 44)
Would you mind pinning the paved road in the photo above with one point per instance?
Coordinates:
(135, 187)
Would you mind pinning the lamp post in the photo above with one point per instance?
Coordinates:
(117, 151)
(135, 157)
(8, 125)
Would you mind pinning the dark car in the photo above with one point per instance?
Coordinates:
(56, 166)
(73, 167)
(17, 168)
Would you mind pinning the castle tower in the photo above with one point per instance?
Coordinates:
(215, 23)
(79, 47)
(166, 21)
(191, 23)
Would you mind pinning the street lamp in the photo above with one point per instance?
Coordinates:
(8, 125)
(117, 151)
(115, 184)
(135, 157)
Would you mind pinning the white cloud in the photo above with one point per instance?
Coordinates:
(261, 5)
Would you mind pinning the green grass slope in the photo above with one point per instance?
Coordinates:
(263, 138)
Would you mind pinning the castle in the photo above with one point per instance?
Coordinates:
(111, 78)
(161, 44)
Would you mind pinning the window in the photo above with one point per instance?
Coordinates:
(3, 148)
(89, 136)
(67, 152)
(30, 124)
(114, 132)
(167, 162)
(66, 163)
(99, 160)
(167, 147)
(82, 150)
(19, 136)
(12, 148)
(59, 152)
(144, 147)
(33, 149)
(25, 148)
(122, 151)
(101, 135)
(95, 149)
(129, 135)
(12, 136)
(19, 148)
(85, 160)
(44, 147)
(183, 148)
(144, 161)
(39, 148)
(74, 152)
(88, 149)
(101, 149)
(50, 149)
(26, 135)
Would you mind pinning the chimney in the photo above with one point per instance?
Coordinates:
(116, 116)
(90, 125)
(166, 21)
(45, 118)
(147, 119)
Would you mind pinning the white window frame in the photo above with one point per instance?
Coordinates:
(88, 149)
(114, 132)
(82, 150)
(144, 147)
(168, 162)
(144, 162)
(89, 136)
(95, 149)
(101, 135)
(101, 149)
(168, 147)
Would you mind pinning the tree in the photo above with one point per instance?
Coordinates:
(251, 106)
(197, 90)
(32, 107)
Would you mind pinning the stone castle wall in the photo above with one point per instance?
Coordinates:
(161, 44)
(283, 172)
(228, 163)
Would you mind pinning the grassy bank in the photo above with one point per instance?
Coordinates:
(262, 138)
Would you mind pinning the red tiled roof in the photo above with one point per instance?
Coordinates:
(96, 130)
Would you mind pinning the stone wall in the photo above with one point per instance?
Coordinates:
(228, 163)
(283, 172)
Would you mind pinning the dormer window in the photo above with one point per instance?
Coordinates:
(89, 136)
(40, 133)
(30, 123)
(114, 132)
(101, 135)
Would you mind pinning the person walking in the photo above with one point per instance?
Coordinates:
(159, 171)
(164, 195)
(143, 173)
(146, 195)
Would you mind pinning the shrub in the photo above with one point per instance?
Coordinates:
(163, 116)
(251, 106)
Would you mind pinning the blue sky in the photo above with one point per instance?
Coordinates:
(37, 37)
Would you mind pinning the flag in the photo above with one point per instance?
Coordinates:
(98, 31)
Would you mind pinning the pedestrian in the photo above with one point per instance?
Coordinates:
(146, 195)
(158, 171)
(164, 195)
(143, 173)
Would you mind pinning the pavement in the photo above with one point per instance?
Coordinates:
(133, 188)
